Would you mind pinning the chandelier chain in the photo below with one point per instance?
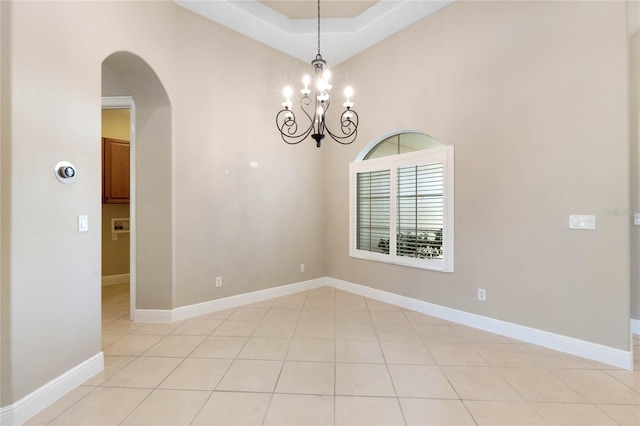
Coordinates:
(318, 27)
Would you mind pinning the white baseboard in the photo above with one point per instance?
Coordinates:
(27, 407)
(115, 279)
(190, 311)
(589, 350)
(635, 326)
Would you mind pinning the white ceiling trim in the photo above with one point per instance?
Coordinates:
(341, 38)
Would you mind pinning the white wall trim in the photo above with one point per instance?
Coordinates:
(115, 279)
(27, 407)
(635, 326)
(190, 311)
(582, 348)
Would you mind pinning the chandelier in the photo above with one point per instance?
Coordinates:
(286, 118)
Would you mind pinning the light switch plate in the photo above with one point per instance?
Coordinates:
(582, 221)
(636, 218)
(83, 223)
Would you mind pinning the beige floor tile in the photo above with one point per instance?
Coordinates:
(247, 314)
(168, 408)
(549, 358)
(251, 376)
(363, 380)
(395, 332)
(418, 318)
(437, 333)
(367, 411)
(424, 412)
(112, 364)
(103, 406)
(504, 355)
(312, 330)
(572, 414)
(133, 345)
(629, 378)
(220, 315)
(175, 346)
(480, 383)
(470, 334)
(110, 339)
(197, 374)
(539, 385)
(452, 353)
(288, 303)
(320, 304)
(236, 328)
(360, 351)
(312, 350)
(375, 305)
(275, 329)
(273, 348)
(121, 326)
(318, 315)
(197, 327)
(351, 304)
(234, 408)
(406, 352)
(627, 415)
(58, 407)
(302, 377)
(347, 295)
(282, 315)
(344, 316)
(388, 317)
(158, 328)
(352, 330)
(144, 372)
(598, 387)
(298, 410)
(506, 413)
(220, 347)
(324, 292)
(421, 381)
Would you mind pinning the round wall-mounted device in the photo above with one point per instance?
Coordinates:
(65, 172)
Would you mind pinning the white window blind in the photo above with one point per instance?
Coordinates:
(402, 209)
(374, 205)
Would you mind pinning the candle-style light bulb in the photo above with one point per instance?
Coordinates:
(348, 92)
(287, 92)
(306, 80)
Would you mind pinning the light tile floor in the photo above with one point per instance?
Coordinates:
(326, 357)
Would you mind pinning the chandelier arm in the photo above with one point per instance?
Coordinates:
(348, 126)
(288, 127)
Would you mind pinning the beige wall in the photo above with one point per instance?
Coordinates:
(115, 254)
(535, 103)
(202, 211)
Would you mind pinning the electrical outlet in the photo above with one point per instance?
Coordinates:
(482, 294)
(218, 281)
(302, 267)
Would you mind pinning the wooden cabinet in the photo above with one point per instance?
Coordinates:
(115, 171)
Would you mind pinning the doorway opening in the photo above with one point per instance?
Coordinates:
(118, 208)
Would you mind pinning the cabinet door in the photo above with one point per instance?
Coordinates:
(115, 171)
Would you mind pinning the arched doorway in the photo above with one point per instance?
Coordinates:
(126, 75)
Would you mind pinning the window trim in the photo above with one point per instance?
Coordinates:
(445, 155)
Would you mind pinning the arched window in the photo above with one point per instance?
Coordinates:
(401, 209)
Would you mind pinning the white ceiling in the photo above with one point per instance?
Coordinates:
(347, 28)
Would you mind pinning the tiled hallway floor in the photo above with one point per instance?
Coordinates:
(326, 357)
